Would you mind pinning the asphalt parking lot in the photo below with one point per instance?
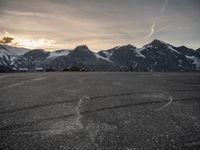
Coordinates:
(99, 111)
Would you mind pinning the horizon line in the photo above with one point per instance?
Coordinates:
(51, 49)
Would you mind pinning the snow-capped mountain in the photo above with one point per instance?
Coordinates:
(161, 56)
(82, 56)
(8, 55)
(155, 56)
(57, 53)
(14, 50)
(123, 56)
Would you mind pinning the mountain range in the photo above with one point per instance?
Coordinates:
(155, 56)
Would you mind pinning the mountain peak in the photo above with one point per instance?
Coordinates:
(156, 41)
(14, 50)
(82, 48)
(184, 47)
(129, 46)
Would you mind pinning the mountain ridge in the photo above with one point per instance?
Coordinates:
(155, 56)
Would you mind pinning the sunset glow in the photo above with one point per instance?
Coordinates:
(33, 44)
(100, 24)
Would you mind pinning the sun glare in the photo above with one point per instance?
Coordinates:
(38, 43)
(27, 42)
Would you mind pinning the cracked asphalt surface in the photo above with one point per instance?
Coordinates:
(99, 111)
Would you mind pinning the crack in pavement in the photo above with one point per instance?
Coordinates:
(12, 126)
(78, 116)
(78, 112)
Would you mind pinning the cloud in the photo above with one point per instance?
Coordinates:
(100, 23)
(6, 40)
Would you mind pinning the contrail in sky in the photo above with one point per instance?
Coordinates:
(152, 28)
(164, 5)
(155, 20)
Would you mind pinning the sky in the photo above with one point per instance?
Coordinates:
(99, 24)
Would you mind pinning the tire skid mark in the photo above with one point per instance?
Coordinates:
(192, 143)
(1, 77)
(166, 105)
(144, 92)
(39, 131)
(89, 98)
(68, 101)
(137, 104)
(39, 79)
(12, 85)
(15, 85)
(26, 124)
(36, 106)
(30, 123)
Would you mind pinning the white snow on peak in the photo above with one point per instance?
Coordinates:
(138, 52)
(172, 49)
(15, 50)
(7, 54)
(108, 54)
(101, 57)
(195, 60)
(55, 54)
(146, 46)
